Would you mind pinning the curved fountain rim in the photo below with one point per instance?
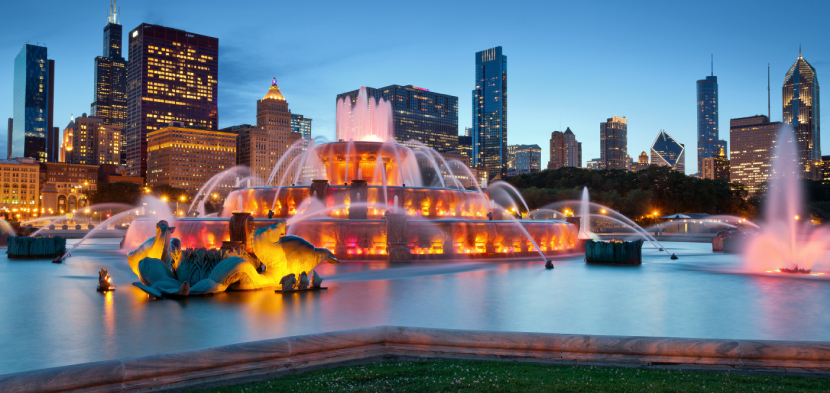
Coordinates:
(439, 220)
(368, 185)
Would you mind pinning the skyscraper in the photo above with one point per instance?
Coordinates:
(613, 143)
(33, 103)
(9, 141)
(708, 142)
(801, 111)
(418, 114)
(490, 111)
(666, 151)
(301, 125)
(110, 100)
(558, 150)
(573, 149)
(752, 141)
(172, 75)
(528, 159)
(715, 168)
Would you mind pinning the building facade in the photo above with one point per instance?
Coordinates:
(187, 158)
(800, 95)
(465, 146)
(667, 151)
(63, 186)
(642, 163)
(594, 164)
(528, 159)
(172, 75)
(490, 111)
(825, 167)
(21, 188)
(110, 100)
(558, 150)
(302, 126)
(708, 139)
(715, 168)
(574, 149)
(9, 139)
(418, 114)
(752, 142)
(33, 103)
(613, 141)
(88, 141)
(509, 161)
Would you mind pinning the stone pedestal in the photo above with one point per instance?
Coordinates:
(396, 234)
(357, 194)
(319, 189)
(241, 228)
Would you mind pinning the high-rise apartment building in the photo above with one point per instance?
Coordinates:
(800, 95)
(558, 150)
(715, 168)
(110, 101)
(573, 149)
(752, 142)
(528, 159)
(490, 111)
(33, 103)
(418, 114)
(667, 151)
(708, 140)
(613, 143)
(187, 158)
(172, 75)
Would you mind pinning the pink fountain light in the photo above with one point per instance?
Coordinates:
(367, 120)
(787, 242)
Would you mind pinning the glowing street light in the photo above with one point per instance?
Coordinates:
(602, 211)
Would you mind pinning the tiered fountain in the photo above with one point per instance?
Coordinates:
(364, 198)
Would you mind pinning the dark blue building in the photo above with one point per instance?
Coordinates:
(110, 102)
(708, 141)
(33, 104)
(490, 111)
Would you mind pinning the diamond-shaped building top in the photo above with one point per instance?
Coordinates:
(666, 151)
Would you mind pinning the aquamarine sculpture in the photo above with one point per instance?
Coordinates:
(165, 271)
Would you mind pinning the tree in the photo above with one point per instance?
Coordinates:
(172, 193)
(118, 192)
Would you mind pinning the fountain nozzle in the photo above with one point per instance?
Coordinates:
(673, 256)
(549, 264)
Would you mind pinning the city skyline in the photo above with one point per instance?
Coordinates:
(544, 89)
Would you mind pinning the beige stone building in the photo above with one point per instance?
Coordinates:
(21, 188)
(187, 158)
(752, 142)
(63, 186)
(88, 141)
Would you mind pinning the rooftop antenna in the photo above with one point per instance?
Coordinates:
(769, 113)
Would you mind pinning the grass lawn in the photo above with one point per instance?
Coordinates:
(480, 376)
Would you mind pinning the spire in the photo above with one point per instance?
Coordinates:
(112, 16)
(799, 51)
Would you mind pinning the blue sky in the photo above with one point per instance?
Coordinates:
(569, 63)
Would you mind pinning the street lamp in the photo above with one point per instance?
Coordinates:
(181, 198)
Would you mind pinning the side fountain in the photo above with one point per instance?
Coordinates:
(369, 203)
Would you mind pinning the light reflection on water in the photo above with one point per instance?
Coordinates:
(51, 315)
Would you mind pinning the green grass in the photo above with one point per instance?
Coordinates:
(480, 376)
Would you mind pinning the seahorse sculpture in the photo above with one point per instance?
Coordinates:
(199, 273)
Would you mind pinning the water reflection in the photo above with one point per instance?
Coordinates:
(64, 320)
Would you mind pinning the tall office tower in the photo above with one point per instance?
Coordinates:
(172, 75)
(528, 159)
(573, 149)
(558, 150)
(465, 146)
(33, 103)
(666, 151)
(708, 142)
(418, 114)
(715, 168)
(613, 143)
(752, 141)
(301, 125)
(801, 111)
(110, 100)
(9, 141)
(490, 111)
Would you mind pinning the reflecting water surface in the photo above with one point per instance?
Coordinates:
(51, 315)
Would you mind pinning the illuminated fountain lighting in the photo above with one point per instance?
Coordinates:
(787, 243)
(82, 216)
(367, 174)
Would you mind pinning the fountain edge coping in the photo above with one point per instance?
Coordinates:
(190, 368)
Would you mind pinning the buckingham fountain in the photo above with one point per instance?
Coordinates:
(364, 197)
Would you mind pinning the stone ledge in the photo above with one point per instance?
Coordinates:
(183, 369)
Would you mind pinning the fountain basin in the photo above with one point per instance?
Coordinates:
(615, 252)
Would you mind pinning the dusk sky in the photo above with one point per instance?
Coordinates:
(569, 64)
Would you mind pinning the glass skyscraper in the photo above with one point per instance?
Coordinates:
(490, 111)
(666, 151)
(800, 95)
(33, 103)
(613, 143)
(110, 101)
(172, 75)
(708, 142)
(418, 114)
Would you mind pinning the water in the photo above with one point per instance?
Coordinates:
(367, 120)
(53, 316)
